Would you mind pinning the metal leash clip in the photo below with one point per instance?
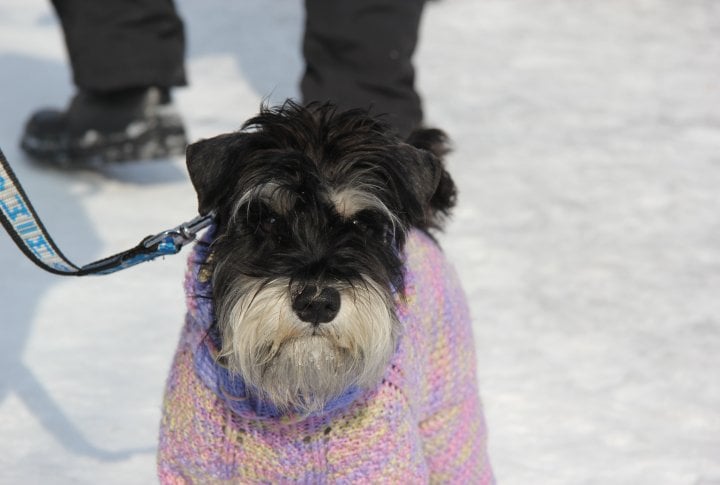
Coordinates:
(181, 235)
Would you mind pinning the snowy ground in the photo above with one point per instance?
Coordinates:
(588, 236)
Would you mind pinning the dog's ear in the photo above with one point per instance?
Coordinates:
(433, 184)
(207, 163)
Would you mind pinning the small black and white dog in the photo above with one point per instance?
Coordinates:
(310, 315)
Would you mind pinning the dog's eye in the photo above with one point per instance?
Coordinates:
(262, 222)
(371, 225)
(360, 225)
(268, 224)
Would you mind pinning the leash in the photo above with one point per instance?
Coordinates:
(27, 231)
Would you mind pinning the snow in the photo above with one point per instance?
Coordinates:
(587, 140)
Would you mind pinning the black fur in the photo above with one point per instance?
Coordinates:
(306, 153)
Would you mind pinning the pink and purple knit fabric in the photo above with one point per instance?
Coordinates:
(422, 424)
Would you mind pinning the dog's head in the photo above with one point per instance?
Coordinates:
(312, 209)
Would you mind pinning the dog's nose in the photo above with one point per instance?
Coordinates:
(315, 306)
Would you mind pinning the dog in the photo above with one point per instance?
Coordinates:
(327, 338)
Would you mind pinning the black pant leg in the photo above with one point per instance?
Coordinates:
(358, 53)
(119, 44)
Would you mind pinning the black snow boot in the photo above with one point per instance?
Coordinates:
(98, 128)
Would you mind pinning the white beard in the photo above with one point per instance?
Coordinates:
(298, 366)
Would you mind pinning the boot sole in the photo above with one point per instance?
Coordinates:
(140, 141)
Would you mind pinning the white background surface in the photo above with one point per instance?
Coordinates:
(587, 140)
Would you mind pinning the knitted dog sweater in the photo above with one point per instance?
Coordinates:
(422, 424)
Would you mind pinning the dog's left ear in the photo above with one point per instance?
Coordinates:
(433, 184)
(207, 163)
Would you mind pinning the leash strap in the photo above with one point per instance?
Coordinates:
(27, 231)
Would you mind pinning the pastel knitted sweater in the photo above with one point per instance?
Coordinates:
(422, 424)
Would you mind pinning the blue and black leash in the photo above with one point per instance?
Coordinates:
(27, 231)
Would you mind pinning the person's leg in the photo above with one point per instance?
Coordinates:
(119, 44)
(358, 54)
(125, 57)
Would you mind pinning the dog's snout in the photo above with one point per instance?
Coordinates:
(315, 306)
